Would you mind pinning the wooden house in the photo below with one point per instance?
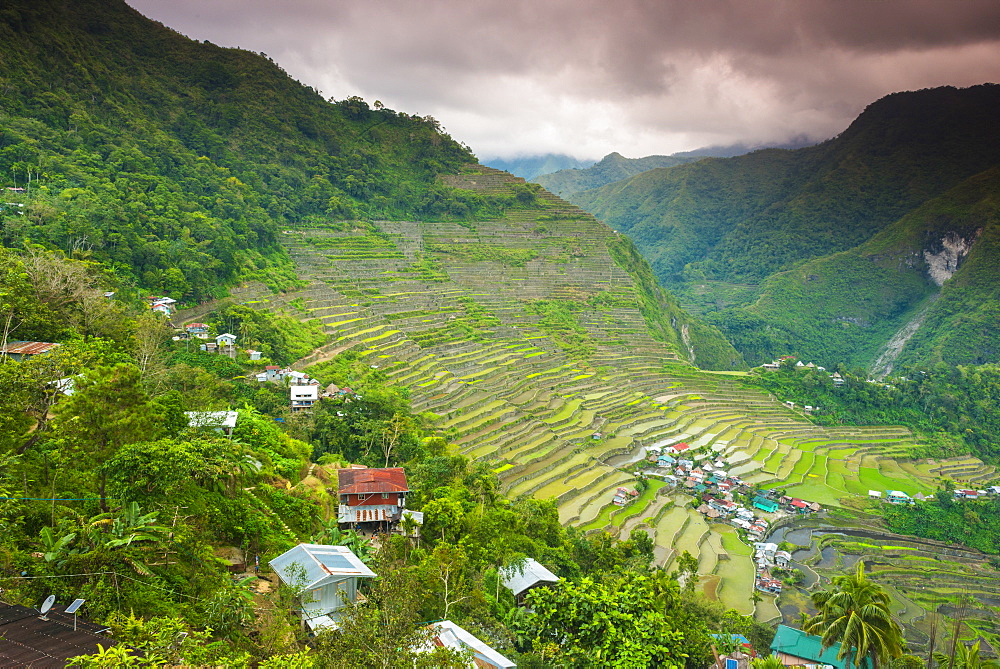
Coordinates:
(376, 495)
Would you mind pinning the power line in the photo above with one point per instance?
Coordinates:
(105, 573)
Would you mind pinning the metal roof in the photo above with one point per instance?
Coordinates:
(27, 347)
(452, 636)
(797, 643)
(533, 573)
(363, 481)
(320, 565)
(30, 641)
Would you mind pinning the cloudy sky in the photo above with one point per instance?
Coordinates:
(587, 77)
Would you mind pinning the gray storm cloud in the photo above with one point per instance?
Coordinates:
(585, 77)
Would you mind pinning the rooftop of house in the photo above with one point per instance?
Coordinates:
(27, 347)
(797, 643)
(450, 635)
(366, 481)
(28, 640)
(532, 573)
(312, 566)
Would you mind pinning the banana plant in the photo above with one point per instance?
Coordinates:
(56, 548)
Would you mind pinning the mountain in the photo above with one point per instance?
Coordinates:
(719, 231)
(529, 167)
(613, 167)
(177, 162)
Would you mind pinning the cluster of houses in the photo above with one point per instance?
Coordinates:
(328, 576)
(304, 391)
(766, 557)
(775, 365)
(720, 510)
(624, 495)
(900, 497)
(162, 305)
(693, 471)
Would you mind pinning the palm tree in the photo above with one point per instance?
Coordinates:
(966, 657)
(855, 612)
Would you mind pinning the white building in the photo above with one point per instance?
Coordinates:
(303, 397)
(327, 577)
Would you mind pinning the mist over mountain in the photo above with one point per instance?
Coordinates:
(529, 167)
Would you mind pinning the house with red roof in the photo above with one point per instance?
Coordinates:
(680, 447)
(373, 495)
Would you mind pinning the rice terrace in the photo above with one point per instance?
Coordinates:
(527, 339)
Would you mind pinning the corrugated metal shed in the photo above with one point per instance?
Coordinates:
(364, 481)
(533, 573)
(321, 565)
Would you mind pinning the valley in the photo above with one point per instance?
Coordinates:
(560, 401)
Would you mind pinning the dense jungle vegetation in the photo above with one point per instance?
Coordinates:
(107, 494)
(176, 162)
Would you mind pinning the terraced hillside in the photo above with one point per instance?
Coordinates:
(923, 577)
(529, 341)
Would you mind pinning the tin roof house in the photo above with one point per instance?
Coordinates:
(522, 578)
(303, 397)
(326, 575)
(376, 495)
(449, 635)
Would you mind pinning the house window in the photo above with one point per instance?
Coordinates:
(362, 497)
(385, 495)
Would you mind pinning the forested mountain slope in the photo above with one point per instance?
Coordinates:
(716, 229)
(613, 167)
(931, 276)
(177, 161)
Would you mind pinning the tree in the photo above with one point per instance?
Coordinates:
(856, 614)
(623, 621)
(387, 630)
(108, 410)
(965, 657)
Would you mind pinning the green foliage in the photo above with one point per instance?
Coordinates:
(613, 167)
(969, 522)
(621, 622)
(859, 211)
(176, 161)
(855, 612)
(281, 337)
(953, 408)
(559, 321)
(702, 344)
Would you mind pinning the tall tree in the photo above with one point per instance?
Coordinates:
(108, 410)
(855, 612)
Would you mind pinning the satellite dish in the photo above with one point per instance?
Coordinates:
(47, 604)
(77, 603)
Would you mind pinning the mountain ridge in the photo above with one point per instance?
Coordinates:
(710, 226)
